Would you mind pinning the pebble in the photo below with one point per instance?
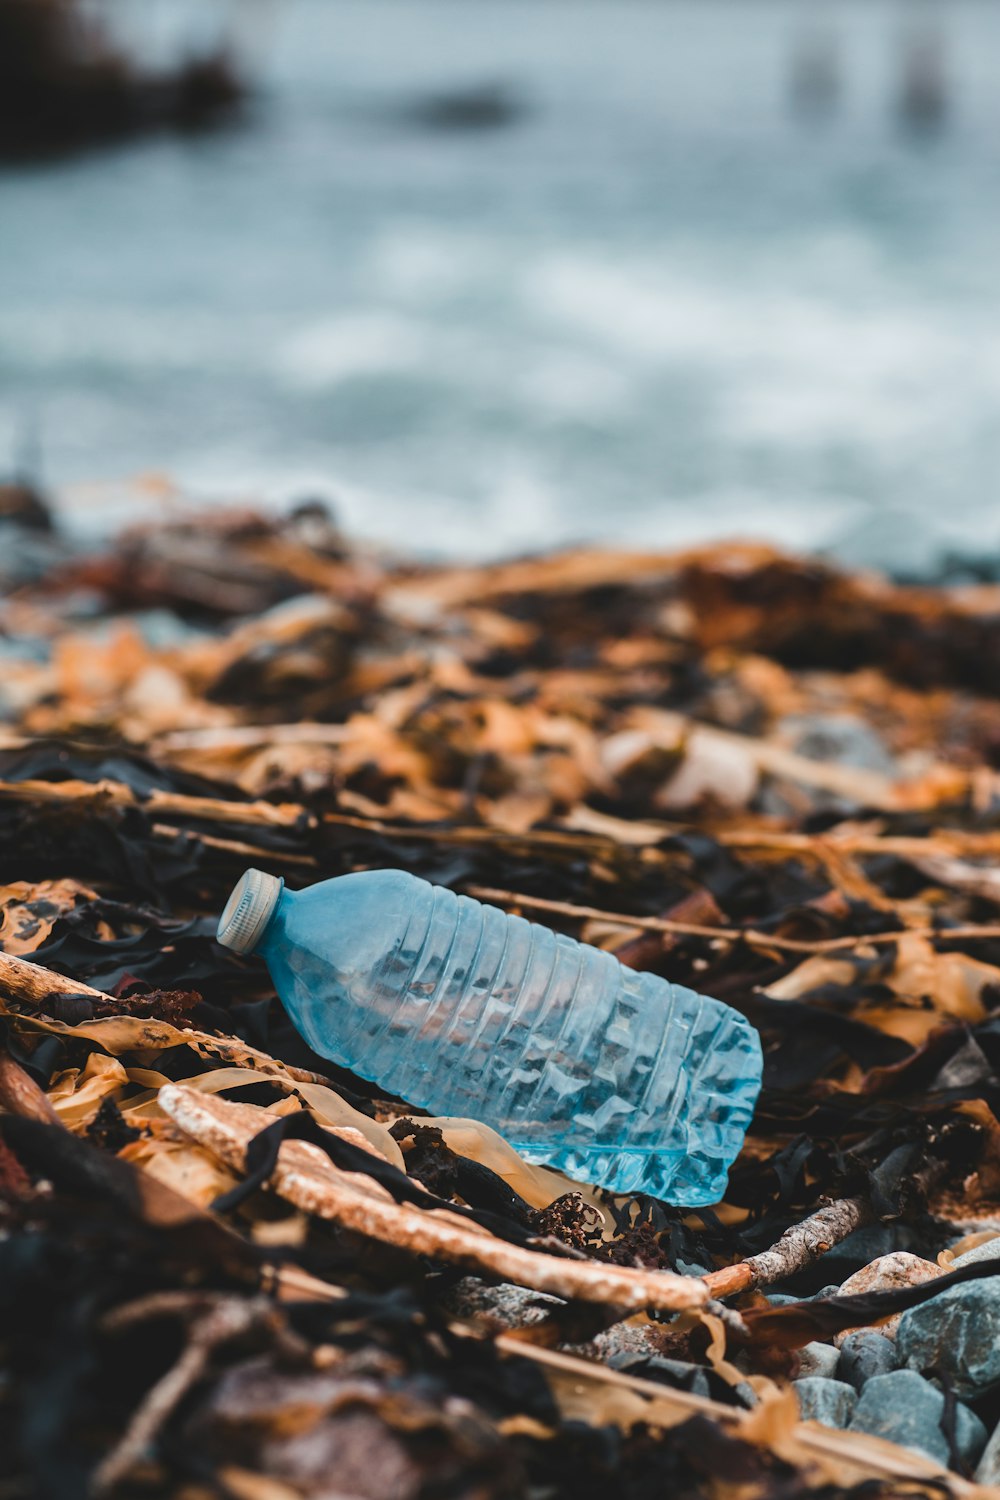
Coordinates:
(864, 1355)
(818, 1359)
(828, 1401)
(876, 1240)
(989, 1465)
(906, 1409)
(958, 1332)
(886, 1274)
(675, 1372)
(988, 1250)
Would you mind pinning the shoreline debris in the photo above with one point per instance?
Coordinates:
(616, 742)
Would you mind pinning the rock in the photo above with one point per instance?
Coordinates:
(883, 1275)
(844, 738)
(675, 1372)
(501, 1306)
(906, 1409)
(988, 1250)
(876, 1240)
(781, 1299)
(957, 1332)
(988, 1471)
(864, 1355)
(818, 1359)
(828, 1401)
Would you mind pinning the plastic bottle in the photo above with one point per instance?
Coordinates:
(612, 1076)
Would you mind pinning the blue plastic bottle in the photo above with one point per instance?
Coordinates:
(613, 1077)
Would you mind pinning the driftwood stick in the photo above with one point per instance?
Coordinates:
(231, 846)
(798, 1247)
(968, 933)
(108, 793)
(21, 1095)
(216, 1322)
(31, 984)
(574, 1378)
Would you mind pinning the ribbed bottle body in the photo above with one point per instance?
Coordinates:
(612, 1076)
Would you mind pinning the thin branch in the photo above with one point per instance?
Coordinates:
(798, 1247)
(31, 984)
(21, 1095)
(749, 935)
(108, 793)
(232, 846)
(218, 1319)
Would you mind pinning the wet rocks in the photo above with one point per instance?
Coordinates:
(865, 1354)
(988, 1250)
(678, 1373)
(988, 1471)
(828, 1401)
(958, 1333)
(886, 1274)
(905, 1408)
(818, 1359)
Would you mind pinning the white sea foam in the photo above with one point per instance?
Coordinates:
(342, 347)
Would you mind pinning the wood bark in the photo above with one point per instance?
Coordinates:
(798, 1247)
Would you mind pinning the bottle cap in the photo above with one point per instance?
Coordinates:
(248, 910)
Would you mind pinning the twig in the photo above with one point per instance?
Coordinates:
(32, 984)
(798, 1247)
(21, 1095)
(637, 1398)
(843, 1455)
(219, 1319)
(750, 935)
(305, 1178)
(110, 793)
(232, 846)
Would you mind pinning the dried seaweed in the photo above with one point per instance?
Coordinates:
(749, 773)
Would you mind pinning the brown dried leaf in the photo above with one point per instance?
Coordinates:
(29, 911)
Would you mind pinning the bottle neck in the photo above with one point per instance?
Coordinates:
(274, 924)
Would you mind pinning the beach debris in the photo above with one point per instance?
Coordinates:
(205, 1227)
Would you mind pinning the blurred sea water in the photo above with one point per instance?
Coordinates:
(499, 274)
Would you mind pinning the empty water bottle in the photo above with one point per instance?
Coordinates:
(613, 1077)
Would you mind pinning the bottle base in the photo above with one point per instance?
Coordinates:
(670, 1175)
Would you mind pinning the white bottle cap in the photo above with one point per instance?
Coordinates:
(248, 910)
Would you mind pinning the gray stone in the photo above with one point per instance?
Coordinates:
(781, 1299)
(989, 1465)
(865, 1354)
(906, 1409)
(675, 1372)
(957, 1332)
(844, 738)
(879, 1239)
(818, 1359)
(989, 1250)
(828, 1401)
